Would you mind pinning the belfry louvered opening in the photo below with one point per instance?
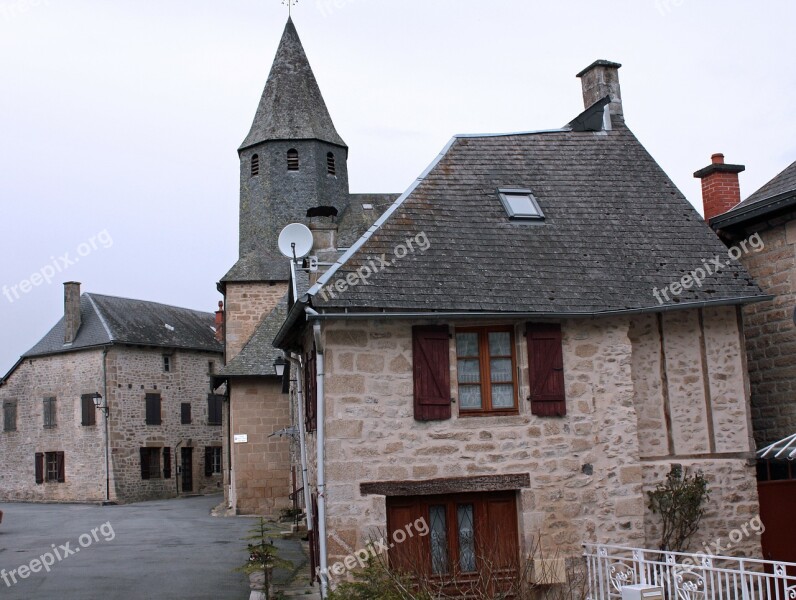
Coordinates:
(330, 166)
(292, 160)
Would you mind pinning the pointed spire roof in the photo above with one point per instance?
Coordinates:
(292, 106)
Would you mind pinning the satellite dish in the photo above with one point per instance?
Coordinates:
(295, 240)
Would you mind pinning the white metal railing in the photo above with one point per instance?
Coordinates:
(686, 576)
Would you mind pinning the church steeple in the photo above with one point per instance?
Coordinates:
(292, 107)
(293, 160)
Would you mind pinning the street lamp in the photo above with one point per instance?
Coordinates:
(101, 403)
(279, 366)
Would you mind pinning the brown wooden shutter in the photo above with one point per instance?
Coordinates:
(185, 413)
(144, 463)
(500, 537)
(60, 464)
(208, 461)
(167, 463)
(89, 412)
(431, 365)
(40, 467)
(153, 409)
(413, 555)
(310, 392)
(546, 370)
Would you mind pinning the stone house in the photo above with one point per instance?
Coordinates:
(770, 215)
(510, 351)
(152, 365)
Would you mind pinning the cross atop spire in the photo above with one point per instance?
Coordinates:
(290, 4)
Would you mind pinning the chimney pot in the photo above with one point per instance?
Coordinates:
(220, 322)
(720, 189)
(72, 320)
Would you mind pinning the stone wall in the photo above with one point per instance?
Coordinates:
(635, 405)
(261, 475)
(66, 377)
(246, 305)
(770, 333)
(131, 373)
(689, 371)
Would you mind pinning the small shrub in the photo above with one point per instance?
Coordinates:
(680, 502)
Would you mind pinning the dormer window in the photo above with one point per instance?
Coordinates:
(330, 168)
(255, 165)
(292, 160)
(520, 204)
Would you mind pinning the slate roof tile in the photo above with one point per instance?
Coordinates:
(615, 227)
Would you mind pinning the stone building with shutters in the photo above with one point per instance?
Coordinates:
(152, 363)
(508, 352)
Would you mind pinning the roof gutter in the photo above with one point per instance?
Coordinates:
(757, 209)
(535, 315)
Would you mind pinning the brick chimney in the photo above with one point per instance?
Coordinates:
(220, 322)
(720, 189)
(601, 79)
(71, 311)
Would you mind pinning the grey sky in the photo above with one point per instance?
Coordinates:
(120, 120)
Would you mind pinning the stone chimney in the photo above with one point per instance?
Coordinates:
(720, 189)
(324, 238)
(601, 79)
(220, 322)
(71, 311)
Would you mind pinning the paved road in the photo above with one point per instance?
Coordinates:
(163, 550)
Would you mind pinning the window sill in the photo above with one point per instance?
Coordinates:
(489, 413)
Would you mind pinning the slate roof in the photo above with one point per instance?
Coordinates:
(258, 355)
(615, 227)
(111, 320)
(777, 195)
(356, 219)
(782, 183)
(292, 94)
(270, 265)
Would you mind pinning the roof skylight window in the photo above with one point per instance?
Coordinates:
(520, 204)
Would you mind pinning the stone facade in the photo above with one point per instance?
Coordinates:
(643, 393)
(258, 475)
(131, 373)
(770, 333)
(261, 466)
(246, 305)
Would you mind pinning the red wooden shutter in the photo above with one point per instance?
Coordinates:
(144, 463)
(413, 555)
(59, 463)
(166, 463)
(431, 364)
(500, 537)
(208, 461)
(310, 393)
(40, 467)
(546, 370)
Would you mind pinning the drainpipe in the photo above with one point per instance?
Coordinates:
(107, 429)
(296, 360)
(321, 438)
